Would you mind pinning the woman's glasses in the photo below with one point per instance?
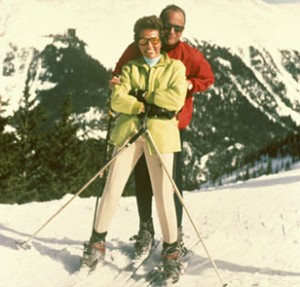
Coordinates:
(177, 28)
(144, 41)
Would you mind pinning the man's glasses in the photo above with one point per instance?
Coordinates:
(144, 41)
(177, 28)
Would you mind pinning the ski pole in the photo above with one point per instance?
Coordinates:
(184, 206)
(110, 114)
(25, 244)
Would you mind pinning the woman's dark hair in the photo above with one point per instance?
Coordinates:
(164, 13)
(147, 22)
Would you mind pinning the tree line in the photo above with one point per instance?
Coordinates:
(38, 163)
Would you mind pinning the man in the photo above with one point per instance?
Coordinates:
(199, 76)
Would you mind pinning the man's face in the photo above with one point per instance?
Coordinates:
(174, 25)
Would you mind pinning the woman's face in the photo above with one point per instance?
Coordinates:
(149, 43)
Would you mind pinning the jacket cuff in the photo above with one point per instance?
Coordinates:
(137, 108)
(150, 98)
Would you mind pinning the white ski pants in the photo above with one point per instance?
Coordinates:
(117, 178)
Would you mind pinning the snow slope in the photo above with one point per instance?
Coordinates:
(251, 229)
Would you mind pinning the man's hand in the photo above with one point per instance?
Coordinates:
(189, 85)
(116, 80)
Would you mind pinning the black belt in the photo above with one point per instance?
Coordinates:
(158, 112)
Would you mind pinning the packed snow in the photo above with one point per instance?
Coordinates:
(250, 229)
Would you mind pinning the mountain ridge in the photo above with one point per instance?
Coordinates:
(246, 121)
(227, 23)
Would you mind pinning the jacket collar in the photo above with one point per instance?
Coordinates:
(162, 62)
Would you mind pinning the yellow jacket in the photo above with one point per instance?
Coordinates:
(166, 87)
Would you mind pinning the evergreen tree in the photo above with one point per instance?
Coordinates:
(247, 174)
(28, 148)
(7, 142)
(65, 156)
(269, 169)
(74, 73)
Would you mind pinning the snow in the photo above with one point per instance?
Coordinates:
(251, 230)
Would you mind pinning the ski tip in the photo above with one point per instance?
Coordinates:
(23, 245)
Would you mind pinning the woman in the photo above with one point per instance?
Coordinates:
(152, 90)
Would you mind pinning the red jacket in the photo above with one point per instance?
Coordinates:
(198, 71)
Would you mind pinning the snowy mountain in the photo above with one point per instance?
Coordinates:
(250, 108)
(250, 229)
(106, 26)
(54, 49)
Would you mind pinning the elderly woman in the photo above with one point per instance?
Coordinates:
(152, 91)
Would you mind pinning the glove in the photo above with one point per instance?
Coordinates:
(139, 94)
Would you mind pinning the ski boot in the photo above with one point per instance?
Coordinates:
(181, 243)
(171, 262)
(94, 251)
(144, 240)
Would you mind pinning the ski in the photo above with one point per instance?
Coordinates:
(156, 278)
(133, 267)
(139, 275)
(80, 275)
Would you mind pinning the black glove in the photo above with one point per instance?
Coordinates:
(139, 94)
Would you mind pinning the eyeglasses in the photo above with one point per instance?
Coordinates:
(144, 41)
(177, 28)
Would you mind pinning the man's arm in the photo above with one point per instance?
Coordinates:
(201, 75)
(198, 71)
(131, 52)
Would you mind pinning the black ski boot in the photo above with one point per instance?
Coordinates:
(144, 240)
(180, 242)
(94, 250)
(171, 262)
